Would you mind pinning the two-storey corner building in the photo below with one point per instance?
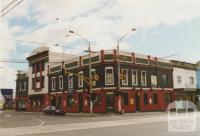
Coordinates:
(22, 91)
(185, 82)
(146, 83)
(38, 87)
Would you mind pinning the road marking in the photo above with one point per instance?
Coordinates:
(8, 116)
(41, 122)
(77, 126)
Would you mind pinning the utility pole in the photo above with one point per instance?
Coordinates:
(118, 65)
(90, 80)
(90, 68)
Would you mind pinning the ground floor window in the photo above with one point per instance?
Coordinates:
(36, 102)
(155, 98)
(70, 100)
(168, 98)
(125, 95)
(97, 99)
(146, 98)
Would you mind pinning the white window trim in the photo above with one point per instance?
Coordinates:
(53, 84)
(79, 78)
(178, 80)
(106, 68)
(191, 77)
(60, 82)
(72, 81)
(145, 78)
(126, 77)
(136, 77)
(156, 77)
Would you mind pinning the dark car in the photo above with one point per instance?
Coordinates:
(52, 110)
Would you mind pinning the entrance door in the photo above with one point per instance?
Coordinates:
(110, 102)
(137, 102)
(80, 102)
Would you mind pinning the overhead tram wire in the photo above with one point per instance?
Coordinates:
(8, 5)
(11, 8)
(38, 43)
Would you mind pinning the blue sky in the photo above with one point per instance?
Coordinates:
(163, 28)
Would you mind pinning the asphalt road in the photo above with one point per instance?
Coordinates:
(31, 124)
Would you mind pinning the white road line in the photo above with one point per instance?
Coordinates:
(77, 126)
(41, 122)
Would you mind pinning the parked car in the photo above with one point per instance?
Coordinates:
(52, 110)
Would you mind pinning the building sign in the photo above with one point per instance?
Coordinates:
(108, 57)
(93, 60)
(71, 65)
(125, 58)
(55, 69)
(165, 65)
(142, 61)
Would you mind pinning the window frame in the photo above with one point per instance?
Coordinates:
(113, 80)
(80, 79)
(53, 83)
(145, 78)
(191, 77)
(93, 81)
(70, 86)
(179, 79)
(136, 77)
(156, 78)
(125, 84)
(60, 83)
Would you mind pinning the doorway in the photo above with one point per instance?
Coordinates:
(137, 101)
(110, 102)
(80, 102)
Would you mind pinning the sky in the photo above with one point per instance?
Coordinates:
(163, 28)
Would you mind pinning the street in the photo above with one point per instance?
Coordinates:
(36, 124)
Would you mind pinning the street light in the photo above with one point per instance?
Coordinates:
(118, 60)
(90, 75)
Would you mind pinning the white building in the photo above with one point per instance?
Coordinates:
(185, 80)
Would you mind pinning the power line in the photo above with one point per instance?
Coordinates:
(11, 8)
(39, 43)
(8, 5)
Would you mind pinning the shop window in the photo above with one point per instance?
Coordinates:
(109, 76)
(168, 98)
(146, 98)
(125, 95)
(125, 77)
(143, 78)
(97, 99)
(61, 82)
(179, 79)
(155, 98)
(70, 81)
(70, 100)
(134, 77)
(53, 83)
(80, 79)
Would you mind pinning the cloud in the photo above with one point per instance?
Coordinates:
(103, 21)
(100, 21)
